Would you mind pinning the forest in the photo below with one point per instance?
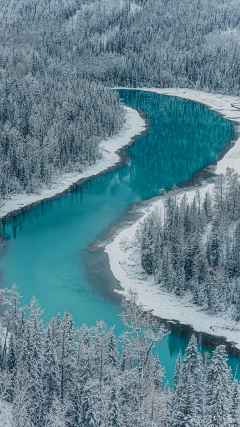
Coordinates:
(58, 62)
(61, 376)
(51, 127)
(52, 115)
(193, 248)
(51, 119)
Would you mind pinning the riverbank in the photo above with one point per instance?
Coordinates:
(124, 256)
(133, 126)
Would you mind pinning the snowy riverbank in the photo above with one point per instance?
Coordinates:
(124, 256)
(134, 125)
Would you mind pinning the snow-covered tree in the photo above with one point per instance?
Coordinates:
(218, 390)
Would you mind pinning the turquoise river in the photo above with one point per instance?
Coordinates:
(45, 252)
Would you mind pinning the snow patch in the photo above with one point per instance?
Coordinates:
(134, 8)
(6, 416)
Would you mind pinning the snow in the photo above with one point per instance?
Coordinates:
(124, 256)
(122, 252)
(6, 418)
(133, 125)
(135, 8)
(108, 35)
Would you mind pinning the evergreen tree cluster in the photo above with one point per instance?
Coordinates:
(134, 43)
(50, 125)
(60, 376)
(51, 118)
(193, 248)
(203, 391)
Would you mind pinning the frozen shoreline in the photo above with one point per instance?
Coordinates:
(124, 257)
(122, 251)
(134, 125)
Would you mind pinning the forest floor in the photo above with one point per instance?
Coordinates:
(6, 417)
(124, 252)
(134, 125)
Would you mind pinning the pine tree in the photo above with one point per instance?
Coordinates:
(51, 374)
(177, 371)
(218, 390)
(84, 356)
(113, 418)
(112, 357)
(66, 356)
(207, 204)
(35, 359)
(187, 399)
(58, 414)
(235, 403)
(91, 404)
(11, 355)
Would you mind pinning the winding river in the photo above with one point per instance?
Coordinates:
(46, 255)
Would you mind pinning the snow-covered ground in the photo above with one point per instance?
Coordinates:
(133, 125)
(6, 418)
(124, 256)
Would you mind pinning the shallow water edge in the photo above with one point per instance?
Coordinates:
(145, 202)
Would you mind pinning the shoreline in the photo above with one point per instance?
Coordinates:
(124, 258)
(134, 125)
(112, 156)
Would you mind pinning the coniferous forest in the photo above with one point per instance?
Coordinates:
(59, 375)
(58, 62)
(193, 248)
(52, 52)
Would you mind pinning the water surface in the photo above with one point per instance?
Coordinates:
(45, 250)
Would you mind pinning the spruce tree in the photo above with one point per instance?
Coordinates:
(235, 403)
(187, 399)
(51, 374)
(218, 390)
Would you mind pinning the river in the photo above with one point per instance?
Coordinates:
(45, 252)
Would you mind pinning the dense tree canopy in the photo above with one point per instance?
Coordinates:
(57, 58)
(193, 248)
(51, 118)
(61, 376)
